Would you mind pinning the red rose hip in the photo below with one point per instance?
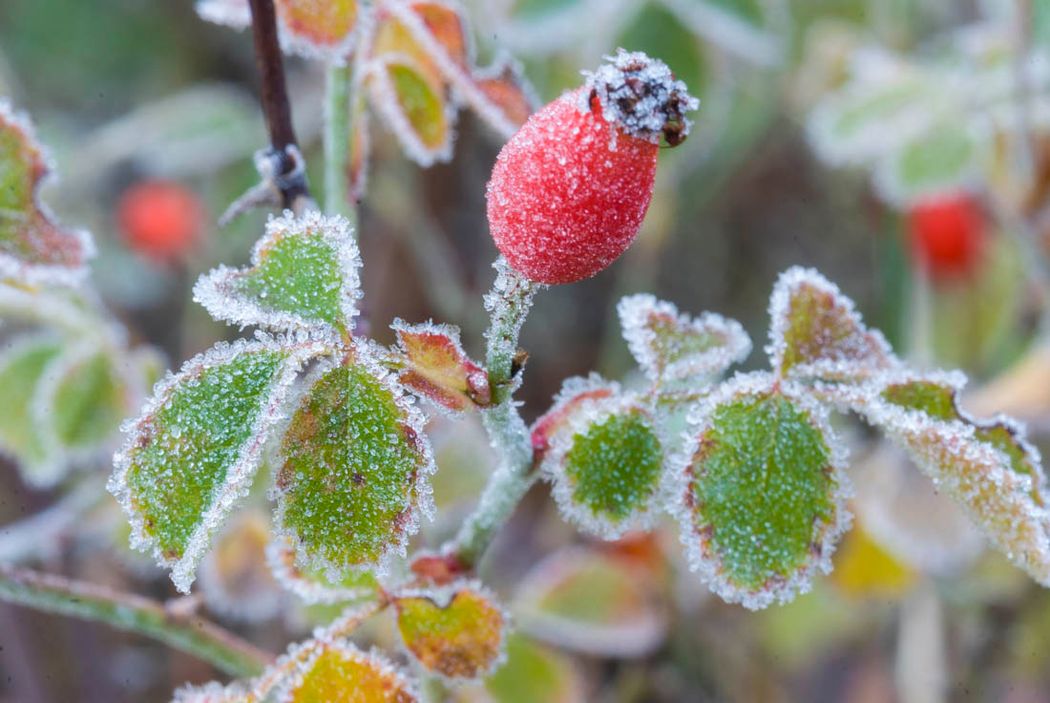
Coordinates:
(947, 234)
(570, 189)
(160, 219)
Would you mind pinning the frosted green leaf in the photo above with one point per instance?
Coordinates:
(83, 400)
(312, 585)
(593, 603)
(987, 467)
(674, 347)
(606, 464)
(945, 158)
(34, 249)
(304, 276)
(532, 673)
(816, 333)
(576, 393)
(457, 632)
(337, 672)
(761, 492)
(191, 454)
(354, 467)
(22, 367)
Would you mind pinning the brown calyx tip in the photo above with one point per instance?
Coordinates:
(642, 96)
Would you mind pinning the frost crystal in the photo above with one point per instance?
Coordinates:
(316, 587)
(435, 366)
(640, 95)
(327, 670)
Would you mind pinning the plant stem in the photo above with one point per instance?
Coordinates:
(509, 304)
(337, 143)
(132, 613)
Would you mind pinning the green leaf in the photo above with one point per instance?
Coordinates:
(22, 367)
(606, 463)
(815, 332)
(434, 366)
(987, 467)
(761, 493)
(191, 454)
(457, 632)
(414, 106)
(353, 474)
(34, 249)
(591, 602)
(83, 400)
(304, 275)
(944, 158)
(312, 585)
(672, 347)
(532, 673)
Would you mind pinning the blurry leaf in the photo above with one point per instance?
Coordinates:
(304, 275)
(656, 31)
(318, 29)
(354, 469)
(336, 672)
(414, 107)
(231, 13)
(234, 577)
(864, 569)
(534, 8)
(34, 249)
(575, 393)
(458, 633)
(593, 603)
(989, 468)
(762, 483)
(532, 673)
(313, 585)
(83, 400)
(606, 463)
(437, 368)
(191, 454)
(673, 347)
(945, 158)
(22, 366)
(504, 86)
(1021, 390)
(815, 331)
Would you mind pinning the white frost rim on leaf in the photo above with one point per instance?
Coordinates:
(213, 692)
(635, 311)
(795, 279)
(420, 499)
(708, 565)
(236, 14)
(476, 376)
(301, 658)
(215, 290)
(442, 597)
(297, 351)
(281, 558)
(588, 413)
(571, 390)
(43, 274)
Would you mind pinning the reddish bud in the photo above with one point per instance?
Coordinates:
(570, 189)
(160, 219)
(947, 234)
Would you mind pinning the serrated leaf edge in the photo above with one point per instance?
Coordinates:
(452, 333)
(280, 557)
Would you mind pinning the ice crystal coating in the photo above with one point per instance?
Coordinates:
(989, 468)
(458, 632)
(214, 692)
(338, 672)
(354, 468)
(761, 491)
(437, 368)
(313, 29)
(673, 347)
(641, 96)
(235, 579)
(414, 106)
(313, 586)
(606, 464)
(304, 276)
(23, 364)
(191, 454)
(593, 603)
(567, 195)
(574, 392)
(816, 333)
(34, 248)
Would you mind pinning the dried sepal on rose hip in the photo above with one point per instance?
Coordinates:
(570, 189)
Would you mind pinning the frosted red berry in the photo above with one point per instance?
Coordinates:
(160, 219)
(948, 234)
(569, 191)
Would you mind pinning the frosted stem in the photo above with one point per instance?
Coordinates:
(508, 303)
(132, 613)
(337, 143)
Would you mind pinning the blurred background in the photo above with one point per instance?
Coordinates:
(901, 147)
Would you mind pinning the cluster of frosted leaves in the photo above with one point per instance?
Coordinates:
(986, 466)
(592, 602)
(34, 248)
(604, 455)
(457, 631)
(415, 57)
(190, 456)
(64, 400)
(672, 347)
(353, 468)
(304, 276)
(433, 365)
(927, 124)
(761, 490)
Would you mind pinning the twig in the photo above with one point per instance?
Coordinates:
(132, 613)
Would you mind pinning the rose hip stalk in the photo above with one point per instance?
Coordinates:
(570, 189)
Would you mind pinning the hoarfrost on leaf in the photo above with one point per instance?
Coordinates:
(314, 586)
(436, 367)
(335, 671)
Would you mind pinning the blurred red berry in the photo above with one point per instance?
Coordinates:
(160, 219)
(570, 189)
(948, 234)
